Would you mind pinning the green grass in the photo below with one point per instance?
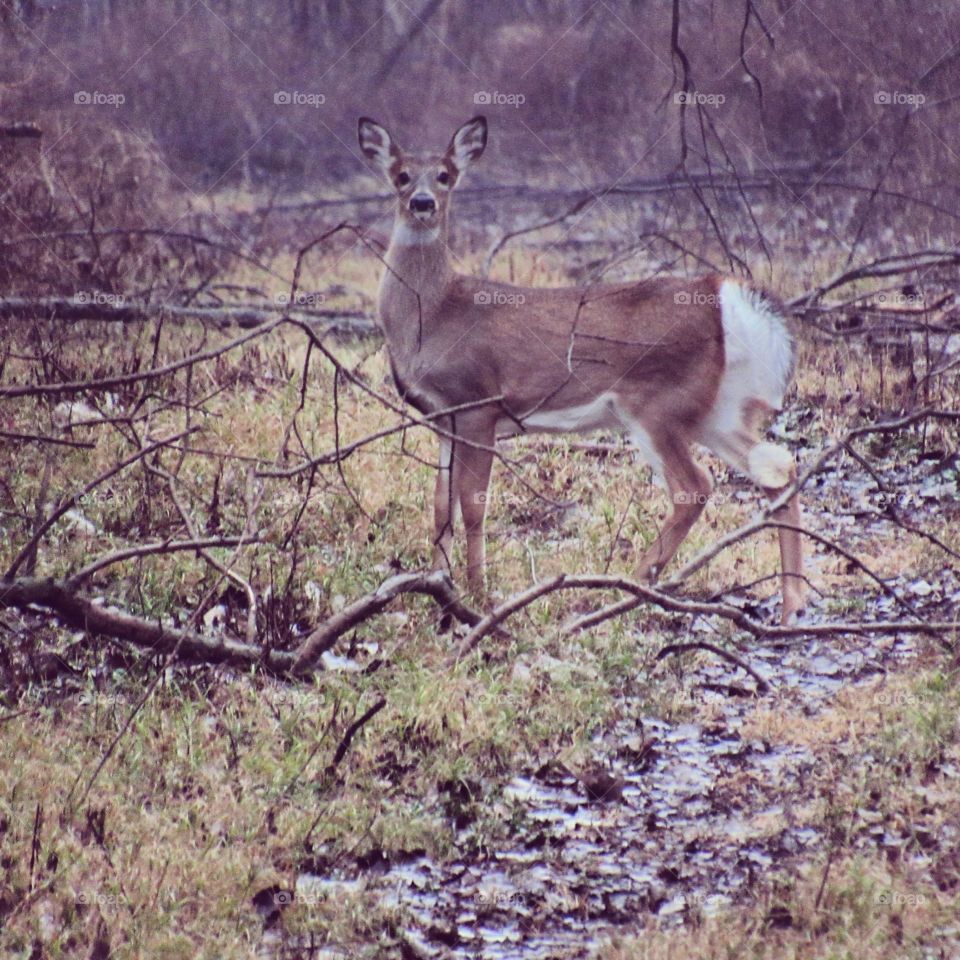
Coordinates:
(220, 786)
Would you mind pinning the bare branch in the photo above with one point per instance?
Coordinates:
(151, 549)
(106, 383)
(678, 648)
(436, 585)
(341, 452)
(84, 614)
(881, 267)
(72, 501)
(352, 731)
(41, 438)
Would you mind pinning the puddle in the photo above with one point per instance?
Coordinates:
(700, 811)
(703, 813)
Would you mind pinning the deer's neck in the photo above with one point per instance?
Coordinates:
(417, 274)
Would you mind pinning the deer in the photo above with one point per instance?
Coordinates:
(666, 361)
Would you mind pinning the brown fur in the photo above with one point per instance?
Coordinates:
(654, 347)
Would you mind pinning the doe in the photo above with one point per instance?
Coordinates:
(666, 361)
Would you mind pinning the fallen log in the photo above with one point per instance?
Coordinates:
(115, 309)
(26, 130)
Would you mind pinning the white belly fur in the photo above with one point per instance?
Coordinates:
(603, 413)
(598, 414)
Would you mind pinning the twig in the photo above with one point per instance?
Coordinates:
(225, 569)
(352, 731)
(509, 235)
(342, 451)
(35, 841)
(73, 500)
(436, 585)
(105, 383)
(42, 438)
(678, 648)
(76, 580)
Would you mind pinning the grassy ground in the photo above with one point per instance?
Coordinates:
(144, 810)
(887, 756)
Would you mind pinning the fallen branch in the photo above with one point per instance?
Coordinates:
(84, 614)
(436, 585)
(348, 322)
(62, 599)
(663, 597)
(510, 606)
(641, 593)
(678, 648)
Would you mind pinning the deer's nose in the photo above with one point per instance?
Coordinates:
(422, 203)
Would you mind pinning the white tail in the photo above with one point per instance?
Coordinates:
(667, 361)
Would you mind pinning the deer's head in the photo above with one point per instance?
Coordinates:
(422, 182)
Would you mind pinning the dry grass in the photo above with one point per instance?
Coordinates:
(218, 787)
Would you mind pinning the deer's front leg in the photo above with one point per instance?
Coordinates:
(471, 478)
(444, 510)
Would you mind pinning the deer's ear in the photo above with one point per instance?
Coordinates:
(377, 144)
(468, 143)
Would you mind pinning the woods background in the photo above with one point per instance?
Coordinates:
(239, 714)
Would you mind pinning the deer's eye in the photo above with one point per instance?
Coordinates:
(443, 177)
(403, 179)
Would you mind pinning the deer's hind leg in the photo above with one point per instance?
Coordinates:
(689, 486)
(773, 469)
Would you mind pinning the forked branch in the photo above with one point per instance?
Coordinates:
(436, 585)
(63, 600)
(641, 593)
